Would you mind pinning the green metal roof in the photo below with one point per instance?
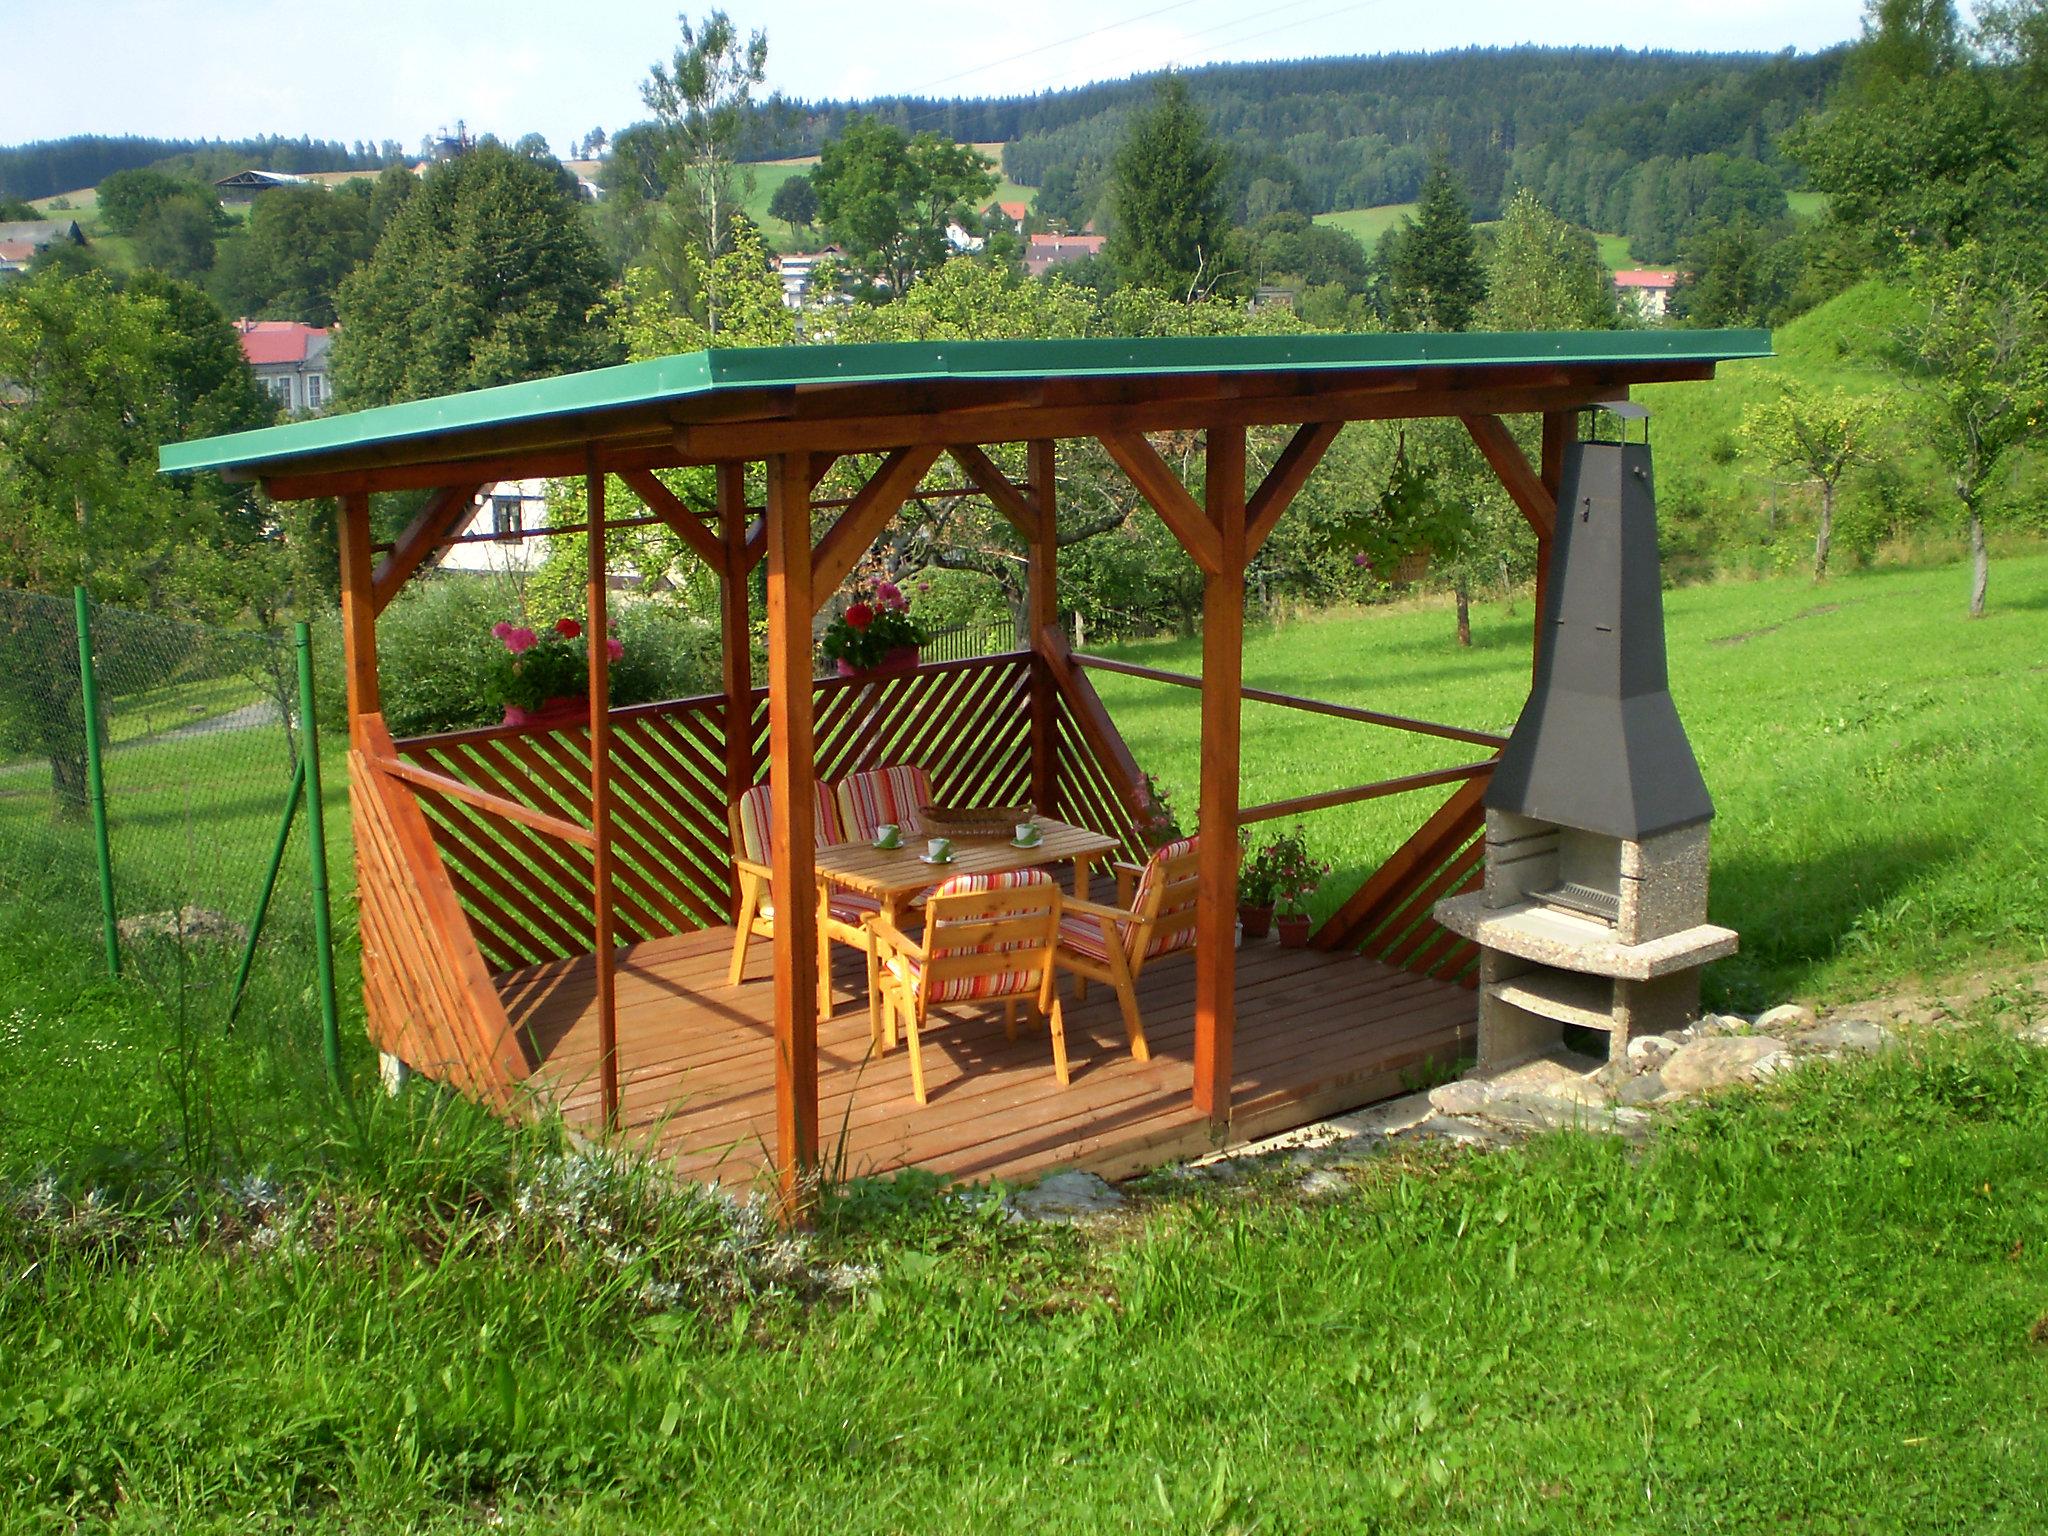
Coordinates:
(704, 376)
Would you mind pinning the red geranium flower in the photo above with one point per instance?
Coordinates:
(860, 616)
(568, 629)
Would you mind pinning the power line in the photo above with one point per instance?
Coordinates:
(1078, 37)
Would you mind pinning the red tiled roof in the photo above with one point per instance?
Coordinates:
(1014, 210)
(276, 341)
(1644, 277)
(17, 250)
(1047, 245)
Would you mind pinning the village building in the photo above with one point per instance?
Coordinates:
(1013, 214)
(1649, 290)
(243, 187)
(22, 241)
(496, 538)
(290, 362)
(1044, 252)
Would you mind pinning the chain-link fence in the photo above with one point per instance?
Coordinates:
(196, 732)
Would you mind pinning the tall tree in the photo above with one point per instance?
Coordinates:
(1819, 438)
(1544, 275)
(176, 235)
(487, 275)
(889, 200)
(1436, 278)
(703, 100)
(795, 203)
(302, 243)
(1977, 351)
(1168, 196)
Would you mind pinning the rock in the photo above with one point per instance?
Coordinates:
(1465, 1133)
(1646, 1053)
(1647, 1089)
(1467, 1096)
(1784, 1018)
(1846, 1035)
(1713, 1024)
(1714, 1063)
(2038, 1035)
(1065, 1197)
(1384, 1119)
(1321, 1184)
(194, 924)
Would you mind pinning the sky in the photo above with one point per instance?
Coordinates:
(372, 69)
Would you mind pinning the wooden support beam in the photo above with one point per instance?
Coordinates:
(1019, 505)
(862, 523)
(1524, 486)
(673, 511)
(1159, 485)
(736, 641)
(1222, 677)
(358, 617)
(1041, 616)
(603, 916)
(1104, 741)
(455, 789)
(1284, 481)
(445, 512)
(793, 866)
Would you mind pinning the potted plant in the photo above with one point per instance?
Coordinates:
(1258, 889)
(1156, 825)
(542, 678)
(876, 636)
(1278, 874)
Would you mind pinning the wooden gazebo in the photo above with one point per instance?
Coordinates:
(544, 911)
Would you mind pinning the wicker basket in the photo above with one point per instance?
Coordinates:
(974, 820)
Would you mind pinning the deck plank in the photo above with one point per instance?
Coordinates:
(1317, 1033)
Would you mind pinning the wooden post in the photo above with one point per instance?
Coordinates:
(735, 641)
(1222, 688)
(791, 772)
(597, 632)
(1042, 614)
(358, 614)
(1557, 431)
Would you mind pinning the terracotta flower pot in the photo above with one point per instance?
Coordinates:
(554, 713)
(1294, 930)
(893, 664)
(1258, 921)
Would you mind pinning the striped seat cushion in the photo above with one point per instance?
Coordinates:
(1083, 934)
(846, 906)
(959, 989)
(757, 812)
(878, 796)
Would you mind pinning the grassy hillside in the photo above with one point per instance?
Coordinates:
(1366, 225)
(770, 174)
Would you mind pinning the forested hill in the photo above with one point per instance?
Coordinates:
(50, 166)
(1356, 132)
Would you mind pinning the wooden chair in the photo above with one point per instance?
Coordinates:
(842, 915)
(987, 939)
(1113, 944)
(876, 796)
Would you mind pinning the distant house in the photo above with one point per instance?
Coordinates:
(1014, 213)
(1648, 290)
(289, 361)
(796, 268)
(243, 186)
(490, 541)
(1044, 252)
(22, 241)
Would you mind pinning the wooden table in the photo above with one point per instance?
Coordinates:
(894, 875)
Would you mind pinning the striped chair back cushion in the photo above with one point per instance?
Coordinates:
(755, 813)
(877, 796)
(971, 918)
(1166, 897)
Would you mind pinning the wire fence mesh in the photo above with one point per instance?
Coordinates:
(198, 733)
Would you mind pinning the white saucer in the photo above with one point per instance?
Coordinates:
(896, 847)
(1036, 842)
(950, 858)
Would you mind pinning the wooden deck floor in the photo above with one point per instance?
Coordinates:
(1317, 1034)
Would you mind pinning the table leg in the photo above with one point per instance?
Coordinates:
(1082, 861)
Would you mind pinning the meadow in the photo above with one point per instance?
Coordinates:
(238, 1300)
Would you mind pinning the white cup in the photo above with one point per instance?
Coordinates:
(888, 833)
(939, 849)
(1027, 831)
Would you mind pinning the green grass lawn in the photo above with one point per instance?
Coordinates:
(768, 175)
(1366, 225)
(1803, 1309)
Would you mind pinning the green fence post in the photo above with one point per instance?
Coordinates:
(316, 828)
(95, 780)
(284, 832)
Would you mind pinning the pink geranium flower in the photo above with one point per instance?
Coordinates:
(889, 595)
(613, 647)
(501, 629)
(519, 640)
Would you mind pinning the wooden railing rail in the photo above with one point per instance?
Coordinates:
(1300, 805)
(1293, 701)
(455, 789)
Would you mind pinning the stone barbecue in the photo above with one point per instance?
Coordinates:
(1594, 908)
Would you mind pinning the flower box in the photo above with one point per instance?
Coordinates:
(551, 714)
(894, 663)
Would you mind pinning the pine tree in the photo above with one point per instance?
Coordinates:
(1437, 280)
(1167, 197)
